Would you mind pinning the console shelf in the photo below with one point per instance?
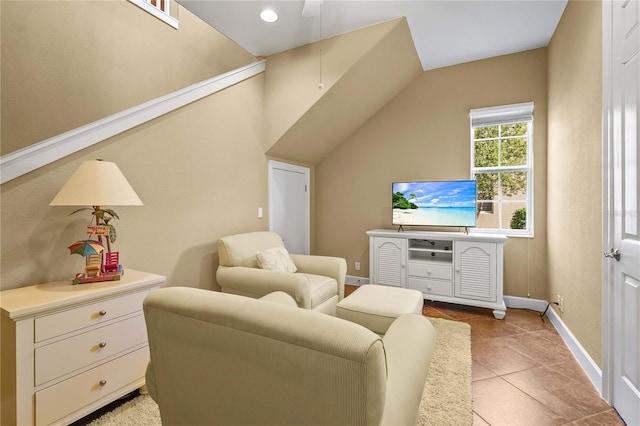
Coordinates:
(445, 266)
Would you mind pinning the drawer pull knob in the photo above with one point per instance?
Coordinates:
(102, 344)
(103, 382)
(102, 313)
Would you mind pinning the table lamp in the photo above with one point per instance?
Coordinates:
(97, 183)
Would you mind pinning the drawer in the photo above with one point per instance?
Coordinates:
(84, 349)
(430, 270)
(55, 402)
(440, 288)
(78, 318)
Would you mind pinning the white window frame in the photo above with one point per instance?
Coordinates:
(506, 114)
(163, 15)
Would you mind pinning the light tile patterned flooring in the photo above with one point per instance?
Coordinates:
(523, 373)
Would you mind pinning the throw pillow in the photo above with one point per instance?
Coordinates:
(276, 259)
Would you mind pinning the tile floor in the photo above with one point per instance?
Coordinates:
(523, 373)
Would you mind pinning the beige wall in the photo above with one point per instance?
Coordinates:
(200, 170)
(362, 71)
(69, 63)
(575, 172)
(303, 124)
(423, 134)
(293, 75)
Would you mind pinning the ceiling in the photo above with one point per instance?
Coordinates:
(445, 32)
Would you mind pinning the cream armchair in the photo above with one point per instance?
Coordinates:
(222, 359)
(317, 285)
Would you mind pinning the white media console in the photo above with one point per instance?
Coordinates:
(450, 267)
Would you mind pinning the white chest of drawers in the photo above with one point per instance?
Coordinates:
(68, 350)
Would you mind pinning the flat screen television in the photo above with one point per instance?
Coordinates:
(435, 203)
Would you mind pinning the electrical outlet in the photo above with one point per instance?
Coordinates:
(357, 266)
(562, 304)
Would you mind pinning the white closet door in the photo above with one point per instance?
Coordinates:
(289, 205)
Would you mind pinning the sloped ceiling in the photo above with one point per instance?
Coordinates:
(304, 124)
(381, 61)
(473, 29)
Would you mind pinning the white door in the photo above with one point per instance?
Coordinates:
(622, 375)
(289, 205)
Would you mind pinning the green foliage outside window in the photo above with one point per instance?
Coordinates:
(494, 151)
(519, 219)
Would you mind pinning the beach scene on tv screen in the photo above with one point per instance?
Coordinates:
(446, 203)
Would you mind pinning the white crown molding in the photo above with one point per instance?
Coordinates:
(23, 161)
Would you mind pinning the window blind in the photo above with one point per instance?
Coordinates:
(518, 113)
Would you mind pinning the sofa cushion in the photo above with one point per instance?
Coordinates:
(377, 306)
(322, 289)
(240, 249)
(276, 259)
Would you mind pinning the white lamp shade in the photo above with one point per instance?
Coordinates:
(97, 183)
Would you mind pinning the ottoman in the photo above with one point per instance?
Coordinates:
(377, 306)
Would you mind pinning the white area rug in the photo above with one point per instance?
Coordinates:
(447, 397)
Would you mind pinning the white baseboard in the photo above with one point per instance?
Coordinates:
(586, 362)
(525, 303)
(353, 280)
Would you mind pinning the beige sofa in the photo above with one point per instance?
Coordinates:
(317, 285)
(222, 359)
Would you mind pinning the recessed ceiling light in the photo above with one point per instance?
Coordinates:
(268, 15)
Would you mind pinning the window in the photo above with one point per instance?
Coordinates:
(502, 165)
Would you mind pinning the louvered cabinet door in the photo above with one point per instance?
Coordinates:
(475, 270)
(389, 263)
